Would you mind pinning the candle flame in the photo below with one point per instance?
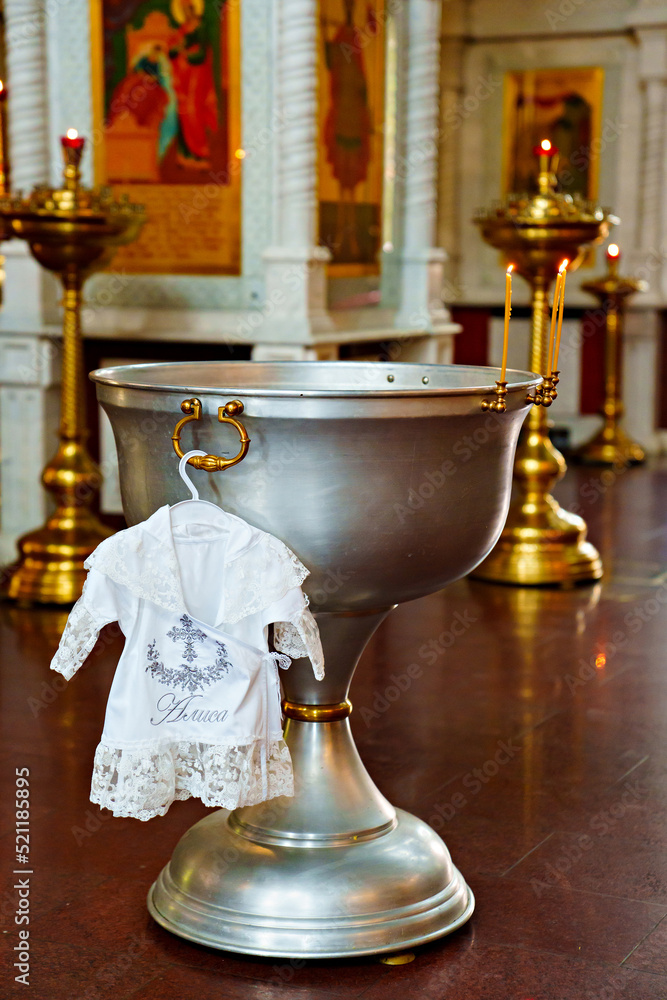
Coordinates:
(563, 266)
(510, 269)
(545, 145)
(2, 86)
(613, 250)
(72, 133)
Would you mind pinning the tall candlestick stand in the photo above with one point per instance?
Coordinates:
(541, 543)
(72, 231)
(611, 445)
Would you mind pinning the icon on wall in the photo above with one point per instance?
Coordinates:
(565, 106)
(351, 78)
(168, 112)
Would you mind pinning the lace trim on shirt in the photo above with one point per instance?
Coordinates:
(153, 576)
(299, 637)
(252, 581)
(76, 642)
(143, 782)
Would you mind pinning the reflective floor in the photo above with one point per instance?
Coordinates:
(532, 735)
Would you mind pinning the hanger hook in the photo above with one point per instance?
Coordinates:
(183, 474)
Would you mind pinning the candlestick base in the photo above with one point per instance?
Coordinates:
(549, 549)
(611, 446)
(49, 569)
(541, 544)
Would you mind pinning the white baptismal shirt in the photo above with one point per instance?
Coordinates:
(194, 707)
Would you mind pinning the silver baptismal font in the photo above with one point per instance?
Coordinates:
(338, 453)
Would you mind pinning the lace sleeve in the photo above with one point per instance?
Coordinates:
(95, 608)
(298, 637)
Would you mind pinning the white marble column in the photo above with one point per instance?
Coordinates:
(648, 253)
(295, 311)
(652, 204)
(414, 268)
(25, 22)
(449, 223)
(649, 21)
(25, 37)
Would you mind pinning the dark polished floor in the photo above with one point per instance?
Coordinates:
(562, 835)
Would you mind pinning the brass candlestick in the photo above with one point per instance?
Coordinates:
(541, 543)
(611, 445)
(72, 231)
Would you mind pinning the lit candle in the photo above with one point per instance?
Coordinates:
(545, 151)
(613, 257)
(562, 270)
(72, 139)
(508, 313)
(554, 314)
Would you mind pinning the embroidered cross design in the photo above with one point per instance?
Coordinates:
(187, 676)
(189, 634)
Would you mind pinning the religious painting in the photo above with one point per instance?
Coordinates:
(565, 106)
(168, 106)
(351, 114)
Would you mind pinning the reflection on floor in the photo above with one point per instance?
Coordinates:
(535, 742)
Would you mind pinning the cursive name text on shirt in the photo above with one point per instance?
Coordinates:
(174, 709)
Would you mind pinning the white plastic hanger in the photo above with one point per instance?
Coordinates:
(194, 492)
(190, 511)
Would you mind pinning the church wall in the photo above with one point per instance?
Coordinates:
(277, 307)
